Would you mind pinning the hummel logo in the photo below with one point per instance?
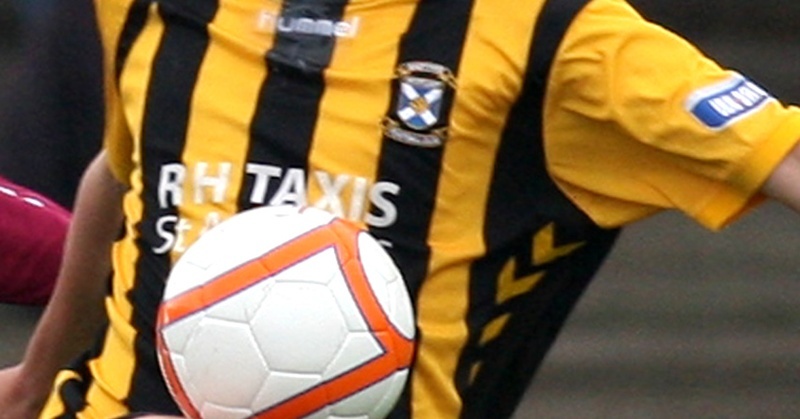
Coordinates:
(271, 22)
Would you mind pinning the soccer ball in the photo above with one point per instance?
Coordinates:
(285, 312)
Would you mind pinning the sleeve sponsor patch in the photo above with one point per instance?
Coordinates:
(720, 105)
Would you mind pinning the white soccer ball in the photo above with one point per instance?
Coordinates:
(285, 312)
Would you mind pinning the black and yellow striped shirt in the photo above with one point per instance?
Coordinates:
(492, 154)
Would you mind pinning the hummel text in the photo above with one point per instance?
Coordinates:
(270, 22)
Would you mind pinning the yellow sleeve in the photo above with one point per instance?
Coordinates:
(637, 120)
(117, 139)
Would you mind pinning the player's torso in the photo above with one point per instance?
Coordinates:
(403, 115)
(348, 107)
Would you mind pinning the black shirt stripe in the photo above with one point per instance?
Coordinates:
(167, 112)
(288, 105)
(523, 200)
(436, 33)
(134, 24)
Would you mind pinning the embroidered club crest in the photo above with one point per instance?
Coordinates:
(420, 102)
(423, 91)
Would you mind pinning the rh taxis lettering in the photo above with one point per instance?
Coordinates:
(347, 196)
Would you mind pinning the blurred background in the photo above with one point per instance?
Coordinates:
(680, 323)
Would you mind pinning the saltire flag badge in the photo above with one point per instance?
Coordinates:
(424, 93)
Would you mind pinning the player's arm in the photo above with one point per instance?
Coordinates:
(32, 231)
(784, 182)
(75, 311)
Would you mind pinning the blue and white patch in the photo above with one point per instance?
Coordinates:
(424, 96)
(419, 103)
(720, 105)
